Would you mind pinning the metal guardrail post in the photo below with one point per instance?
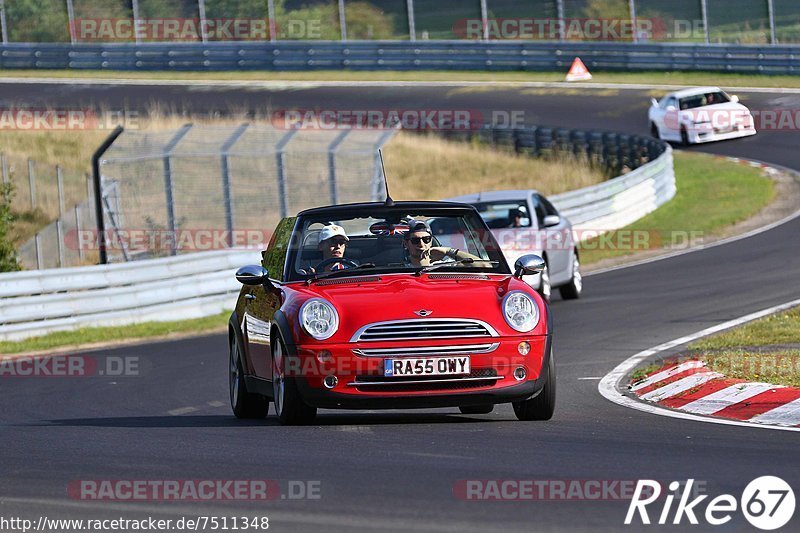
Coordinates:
(98, 193)
(4, 165)
(3, 26)
(634, 21)
(704, 11)
(78, 232)
(60, 242)
(168, 187)
(201, 10)
(484, 21)
(32, 183)
(37, 244)
(412, 30)
(273, 26)
(281, 164)
(334, 146)
(60, 184)
(135, 8)
(773, 38)
(71, 19)
(226, 179)
(342, 21)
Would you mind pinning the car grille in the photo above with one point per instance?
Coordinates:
(427, 328)
(481, 377)
(460, 349)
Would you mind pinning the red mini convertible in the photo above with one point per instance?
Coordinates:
(389, 306)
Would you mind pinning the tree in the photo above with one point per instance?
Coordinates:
(607, 9)
(8, 253)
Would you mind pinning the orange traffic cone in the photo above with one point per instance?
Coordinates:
(578, 71)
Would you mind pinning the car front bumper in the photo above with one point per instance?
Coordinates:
(491, 380)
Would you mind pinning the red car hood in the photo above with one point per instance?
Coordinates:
(398, 297)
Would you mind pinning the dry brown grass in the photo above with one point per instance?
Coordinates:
(428, 167)
(419, 167)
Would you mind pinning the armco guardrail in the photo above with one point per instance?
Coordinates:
(623, 200)
(187, 286)
(402, 55)
(194, 285)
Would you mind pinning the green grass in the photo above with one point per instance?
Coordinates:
(728, 352)
(86, 336)
(656, 78)
(712, 195)
(783, 328)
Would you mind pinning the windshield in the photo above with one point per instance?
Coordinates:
(701, 100)
(383, 243)
(504, 214)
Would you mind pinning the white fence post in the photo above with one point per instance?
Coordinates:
(412, 30)
(773, 38)
(32, 183)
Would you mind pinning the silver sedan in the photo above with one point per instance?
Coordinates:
(525, 222)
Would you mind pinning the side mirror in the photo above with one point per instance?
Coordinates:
(551, 220)
(735, 99)
(252, 275)
(528, 265)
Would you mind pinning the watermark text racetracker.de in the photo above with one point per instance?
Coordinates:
(724, 120)
(192, 29)
(65, 119)
(150, 523)
(193, 490)
(72, 366)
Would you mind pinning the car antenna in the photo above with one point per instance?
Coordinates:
(388, 202)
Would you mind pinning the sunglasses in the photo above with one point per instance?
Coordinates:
(417, 240)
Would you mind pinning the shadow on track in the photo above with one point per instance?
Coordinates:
(322, 420)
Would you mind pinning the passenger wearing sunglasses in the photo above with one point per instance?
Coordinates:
(420, 252)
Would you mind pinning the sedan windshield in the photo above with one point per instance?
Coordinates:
(394, 241)
(702, 100)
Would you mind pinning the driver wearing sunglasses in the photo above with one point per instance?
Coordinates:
(420, 252)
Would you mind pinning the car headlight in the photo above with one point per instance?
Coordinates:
(520, 311)
(319, 318)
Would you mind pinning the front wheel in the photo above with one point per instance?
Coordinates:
(244, 404)
(289, 406)
(654, 131)
(541, 406)
(684, 137)
(573, 289)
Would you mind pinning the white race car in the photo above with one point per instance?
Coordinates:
(700, 115)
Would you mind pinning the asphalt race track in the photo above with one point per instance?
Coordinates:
(396, 471)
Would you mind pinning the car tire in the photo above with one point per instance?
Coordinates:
(541, 406)
(244, 404)
(684, 136)
(573, 289)
(476, 409)
(290, 408)
(545, 289)
(654, 131)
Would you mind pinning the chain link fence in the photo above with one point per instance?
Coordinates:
(205, 188)
(690, 21)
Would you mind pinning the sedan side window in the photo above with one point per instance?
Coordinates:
(540, 209)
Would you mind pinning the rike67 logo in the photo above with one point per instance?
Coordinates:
(767, 503)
